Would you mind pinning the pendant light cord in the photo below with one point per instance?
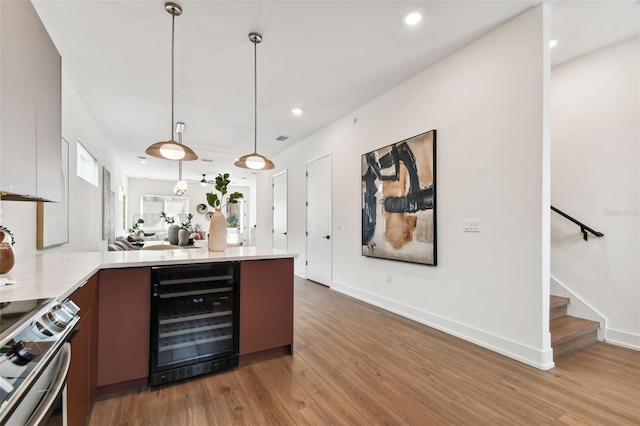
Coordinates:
(180, 162)
(255, 96)
(173, 24)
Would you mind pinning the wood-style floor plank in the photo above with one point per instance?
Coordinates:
(355, 364)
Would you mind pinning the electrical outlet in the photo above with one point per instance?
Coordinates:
(388, 277)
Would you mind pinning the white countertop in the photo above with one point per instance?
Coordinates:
(58, 274)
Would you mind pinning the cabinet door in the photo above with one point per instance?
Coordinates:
(124, 300)
(19, 71)
(266, 305)
(31, 105)
(81, 380)
(49, 178)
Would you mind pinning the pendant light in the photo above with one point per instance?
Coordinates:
(172, 150)
(181, 186)
(254, 160)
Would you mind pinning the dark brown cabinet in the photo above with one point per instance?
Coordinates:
(81, 380)
(123, 328)
(110, 352)
(266, 307)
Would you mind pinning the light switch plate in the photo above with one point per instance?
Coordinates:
(471, 225)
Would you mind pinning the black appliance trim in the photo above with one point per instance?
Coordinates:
(205, 363)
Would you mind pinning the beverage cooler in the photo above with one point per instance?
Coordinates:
(194, 320)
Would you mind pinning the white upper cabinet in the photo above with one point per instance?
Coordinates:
(30, 111)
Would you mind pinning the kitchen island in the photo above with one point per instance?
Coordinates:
(111, 350)
(58, 274)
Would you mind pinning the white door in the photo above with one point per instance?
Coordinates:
(279, 229)
(319, 220)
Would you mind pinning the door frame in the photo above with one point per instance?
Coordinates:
(306, 224)
(284, 172)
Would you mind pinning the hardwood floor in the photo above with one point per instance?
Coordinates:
(355, 364)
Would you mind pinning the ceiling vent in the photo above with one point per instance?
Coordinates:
(206, 160)
(282, 138)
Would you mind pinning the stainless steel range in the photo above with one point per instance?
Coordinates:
(34, 358)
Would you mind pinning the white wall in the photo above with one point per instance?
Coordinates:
(487, 104)
(85, 200)
(195, 192)
(596, 179)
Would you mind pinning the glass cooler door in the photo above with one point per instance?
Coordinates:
(193, 318)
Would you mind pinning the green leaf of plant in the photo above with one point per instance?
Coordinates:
(234, 197)
(213, 200)
(221, 183)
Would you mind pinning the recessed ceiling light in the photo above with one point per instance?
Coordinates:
(553, 43)
(296, 111)
(412, 18)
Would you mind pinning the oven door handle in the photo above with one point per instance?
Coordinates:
(64, 361)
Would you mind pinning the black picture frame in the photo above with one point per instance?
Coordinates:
(399, 201)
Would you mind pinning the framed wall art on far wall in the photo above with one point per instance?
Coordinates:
(106, 203)
(399, 201)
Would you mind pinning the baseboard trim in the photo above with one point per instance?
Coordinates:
(542, 360)
(266, 354)
(622, 338)
(302, 273)
(103, 392)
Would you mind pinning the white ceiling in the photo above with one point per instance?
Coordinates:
(326, 57)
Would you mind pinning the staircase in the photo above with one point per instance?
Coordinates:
(569, 334)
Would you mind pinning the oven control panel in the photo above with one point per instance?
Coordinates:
(27, 347)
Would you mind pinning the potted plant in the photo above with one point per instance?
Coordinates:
(172, 232)
(218, 224)
(7, 255)
(185, 230)
(135, 231)
(198, 232)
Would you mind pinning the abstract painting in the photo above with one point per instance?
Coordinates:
(399, 201)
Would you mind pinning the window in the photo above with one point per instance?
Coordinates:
(87, 165)
(235, 215)
(152, 205)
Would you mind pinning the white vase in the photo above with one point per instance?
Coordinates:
(217, 232)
